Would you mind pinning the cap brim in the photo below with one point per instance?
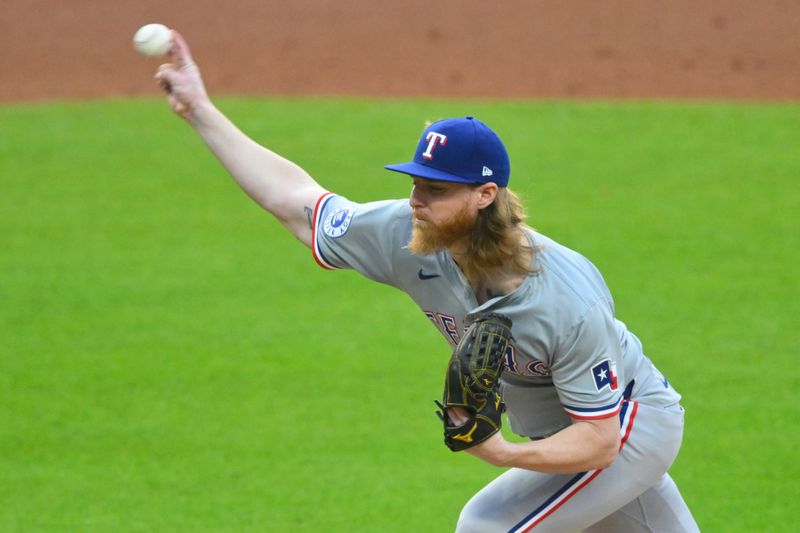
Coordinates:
(422, 171)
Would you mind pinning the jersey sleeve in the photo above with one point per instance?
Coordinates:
(587, 371)
(364, 237)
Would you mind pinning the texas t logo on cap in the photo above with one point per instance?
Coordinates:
(461, 150)
(433, 139)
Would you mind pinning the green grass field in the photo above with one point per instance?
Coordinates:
(172, 360)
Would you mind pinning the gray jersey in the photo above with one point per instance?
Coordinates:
(570, 357)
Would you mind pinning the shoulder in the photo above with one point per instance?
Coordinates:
(565, 296)
(567, 276)
(336, 215)
(367, 237)
(330, 200)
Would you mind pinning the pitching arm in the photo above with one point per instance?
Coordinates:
(276, 184)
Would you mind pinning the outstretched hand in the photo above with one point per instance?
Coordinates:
(181, 79)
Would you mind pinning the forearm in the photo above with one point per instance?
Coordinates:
(275, 183)
(580, 447)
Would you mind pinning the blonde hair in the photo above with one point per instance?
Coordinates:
(498, 241)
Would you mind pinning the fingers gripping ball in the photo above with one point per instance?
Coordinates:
(471, 382)
(153, 40)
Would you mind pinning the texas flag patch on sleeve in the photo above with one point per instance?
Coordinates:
(605, 375)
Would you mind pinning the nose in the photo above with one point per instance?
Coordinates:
(414, 200)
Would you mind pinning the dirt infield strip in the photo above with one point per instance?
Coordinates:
(736, 49)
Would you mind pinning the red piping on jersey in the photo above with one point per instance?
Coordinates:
(630, 425)
(624, 439)
(598, 417)
(314, 232)
(572, 414)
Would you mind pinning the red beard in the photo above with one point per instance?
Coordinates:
(427, 238)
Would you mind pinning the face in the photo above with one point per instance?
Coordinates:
(445, 212)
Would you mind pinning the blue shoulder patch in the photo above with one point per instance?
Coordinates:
(337, 222)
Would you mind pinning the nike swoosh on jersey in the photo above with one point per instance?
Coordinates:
(422, 275)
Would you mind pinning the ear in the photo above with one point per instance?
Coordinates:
(486, 194)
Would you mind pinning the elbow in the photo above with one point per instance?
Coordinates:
(606, 459)
(607, 451)
(605, 442)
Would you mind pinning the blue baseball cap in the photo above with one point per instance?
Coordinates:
(462, 150)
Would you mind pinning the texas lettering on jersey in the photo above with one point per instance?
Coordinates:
(514, 364)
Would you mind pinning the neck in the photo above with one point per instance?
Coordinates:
(492, 282)
(458, 250)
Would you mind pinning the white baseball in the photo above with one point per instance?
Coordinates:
(152, 40)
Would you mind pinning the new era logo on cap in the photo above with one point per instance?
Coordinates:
(462, 150)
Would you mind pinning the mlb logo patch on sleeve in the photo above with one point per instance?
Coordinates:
(605, 375)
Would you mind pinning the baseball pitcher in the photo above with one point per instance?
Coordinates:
(530, 322)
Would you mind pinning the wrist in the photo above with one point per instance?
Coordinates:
(507, 453)
(497, 451)
(201, 113)
(527, 455)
